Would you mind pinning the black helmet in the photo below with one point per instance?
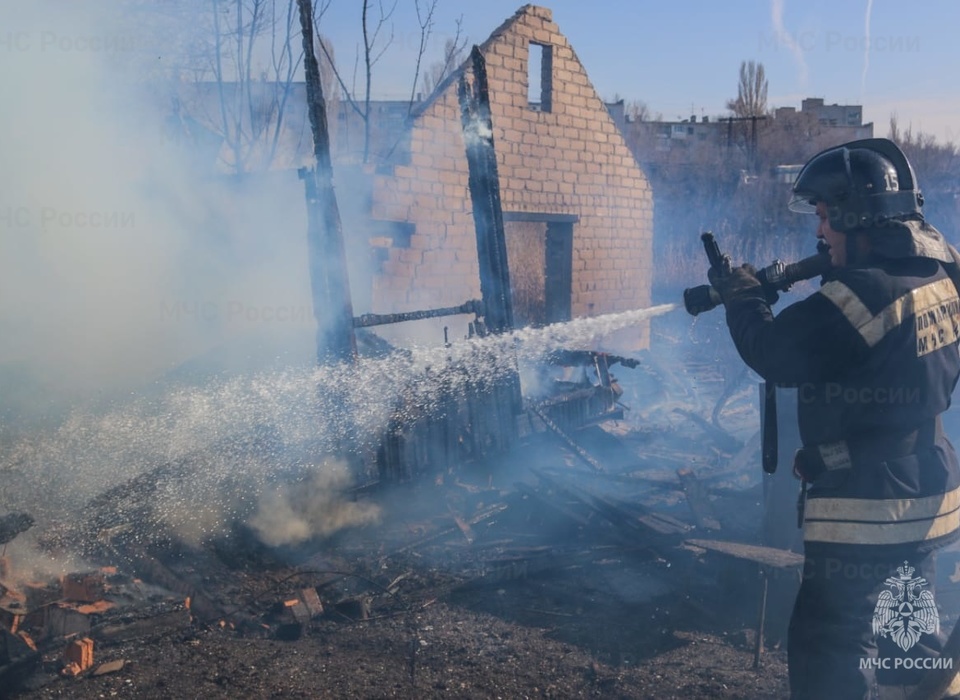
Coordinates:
(863, 184)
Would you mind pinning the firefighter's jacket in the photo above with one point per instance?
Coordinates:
(874, 356)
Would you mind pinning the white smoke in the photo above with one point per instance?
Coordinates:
(788, 40)
(120, 259)
(315, 508)
(866, 49)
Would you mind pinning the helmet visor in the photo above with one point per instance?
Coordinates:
(803, 203)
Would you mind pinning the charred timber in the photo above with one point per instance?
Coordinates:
(366, 320)
(484, 185)
(484, 182)
(332, 306)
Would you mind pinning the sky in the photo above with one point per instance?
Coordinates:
(683, 58)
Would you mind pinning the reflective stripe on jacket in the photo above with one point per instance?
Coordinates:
(874, 357)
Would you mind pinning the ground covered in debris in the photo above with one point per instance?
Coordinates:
(535, 575)
(454, 615)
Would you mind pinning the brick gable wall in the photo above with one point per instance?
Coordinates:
(569, 161)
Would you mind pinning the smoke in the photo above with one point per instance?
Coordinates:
(121, 258)
(292, 514)
(866, 49)
(787, 39)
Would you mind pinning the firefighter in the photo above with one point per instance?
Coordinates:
(874, 359)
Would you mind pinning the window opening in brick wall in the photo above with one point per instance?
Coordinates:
(540, 77)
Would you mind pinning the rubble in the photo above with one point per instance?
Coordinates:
(78, 656)
(19, 659)
(528, 540)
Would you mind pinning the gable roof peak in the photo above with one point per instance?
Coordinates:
(537, 11)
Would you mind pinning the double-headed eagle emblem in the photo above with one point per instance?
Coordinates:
(906, 610)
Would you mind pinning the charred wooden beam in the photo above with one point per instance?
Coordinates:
(508, 568)
(332, 305)
(567, 440)
(724, 440)
(486, 514)
(552, 504)
(484, 185)
(474, 306)
(767, 558)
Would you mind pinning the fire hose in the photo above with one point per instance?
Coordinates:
(776, 277)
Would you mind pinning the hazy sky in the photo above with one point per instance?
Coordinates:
(683, 58)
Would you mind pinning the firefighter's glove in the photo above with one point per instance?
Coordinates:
(739, 283)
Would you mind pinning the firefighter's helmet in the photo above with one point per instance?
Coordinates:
(863, 184)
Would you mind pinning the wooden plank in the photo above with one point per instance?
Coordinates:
(768, 556)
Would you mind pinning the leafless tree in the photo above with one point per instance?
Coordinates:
(425, 19)
(637, 111)
(936, 165)
(373, 50)
(243, 82)
(751, 98)
(454, 53)
(232, 68)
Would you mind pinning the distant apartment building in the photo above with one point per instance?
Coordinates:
(838, 122)
(833, 115)
(693, 141)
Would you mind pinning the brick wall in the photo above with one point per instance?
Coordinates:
(571, 160)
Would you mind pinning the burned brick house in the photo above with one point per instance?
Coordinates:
(577, 209)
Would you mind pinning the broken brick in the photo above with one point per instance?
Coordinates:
(71, 669)
(311, 600)
(79, 652)
(27, 639)
(298, 609)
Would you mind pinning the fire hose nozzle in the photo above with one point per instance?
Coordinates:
(777, 277)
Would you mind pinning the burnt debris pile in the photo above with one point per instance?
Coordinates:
(607, 486)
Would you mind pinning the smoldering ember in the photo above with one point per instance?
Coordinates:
(448, 432)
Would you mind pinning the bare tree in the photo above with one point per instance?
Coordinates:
(372, 53)
(454, 53)
(751, 98)
(243, 80)
(637, 111)
(425, 18)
